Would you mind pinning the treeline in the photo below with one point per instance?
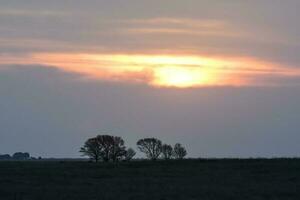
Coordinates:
(108, 148)
(17, 156)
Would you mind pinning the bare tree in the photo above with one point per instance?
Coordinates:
(179, 151)
(151, 147)
(118, 149)
(104, 147)
(21, 156)
(130, 153)
(92, 149)
(167, 151)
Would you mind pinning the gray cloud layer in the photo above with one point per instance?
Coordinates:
(271, 27)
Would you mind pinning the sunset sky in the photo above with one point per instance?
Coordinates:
(220, 76)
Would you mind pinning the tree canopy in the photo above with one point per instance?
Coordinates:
(105, 148)
(151, 147)
(179, 151)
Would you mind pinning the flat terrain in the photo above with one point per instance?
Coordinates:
(187, 179)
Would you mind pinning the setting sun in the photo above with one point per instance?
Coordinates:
(180, 77)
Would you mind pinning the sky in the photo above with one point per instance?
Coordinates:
(222, 77)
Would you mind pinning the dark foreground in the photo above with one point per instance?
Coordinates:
(188, 179)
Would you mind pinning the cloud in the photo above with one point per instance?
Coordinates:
(187, 27)
(176, 31)
(184, 22)
(94, 33)
(164, 70)
(31, 13)
(184, 27)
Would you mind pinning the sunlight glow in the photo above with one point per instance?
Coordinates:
(179, 71)
(181, 77)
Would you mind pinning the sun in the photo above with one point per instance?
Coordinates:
(181, 77)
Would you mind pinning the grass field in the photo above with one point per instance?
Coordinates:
(187, 179)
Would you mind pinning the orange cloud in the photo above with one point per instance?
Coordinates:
(192, 29)
(180, 71)
(183, 26)
(181, 32)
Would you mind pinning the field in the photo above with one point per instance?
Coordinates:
(161, 180)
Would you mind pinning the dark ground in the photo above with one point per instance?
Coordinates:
(187, 179)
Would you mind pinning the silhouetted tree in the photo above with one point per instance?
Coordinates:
(167, 151)
(179, 151)
(130, 153)
(104, 147)
(5, 157)
(151, 147)
(117, 148)
(21, 156)
(92, 149)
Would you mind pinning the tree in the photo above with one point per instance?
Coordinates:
(92, 149)
(105, 148)
(179, 151)
(5, 157)
(167, 151)
(117, 149)
(151, 147)
(21, 156)
(130, 153)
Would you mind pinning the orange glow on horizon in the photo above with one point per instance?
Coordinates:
(181, 71)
